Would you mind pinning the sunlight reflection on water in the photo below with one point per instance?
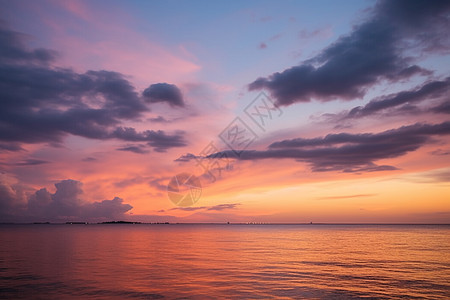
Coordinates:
(224, 261)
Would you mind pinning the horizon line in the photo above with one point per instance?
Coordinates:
(207, 223)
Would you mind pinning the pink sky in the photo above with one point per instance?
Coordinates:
(120, 98)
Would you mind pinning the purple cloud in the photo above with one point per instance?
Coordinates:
(372, 52)
(345, 152)
(44, 104)
(164, 92)
(66, 204)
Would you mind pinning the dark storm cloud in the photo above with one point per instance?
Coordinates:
(66, 204)
(373, 51)
(349, 152)
(41, 103)
(164, 92)
(431, 90)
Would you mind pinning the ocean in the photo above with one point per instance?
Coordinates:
(185, 261)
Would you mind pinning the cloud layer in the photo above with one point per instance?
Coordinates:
(66, 204)
(41, 103)
(347, 152)
(374, 51)
(433, 93)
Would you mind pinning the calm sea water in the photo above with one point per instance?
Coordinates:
(224, 261)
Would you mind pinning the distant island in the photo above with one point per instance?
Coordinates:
(119, 222)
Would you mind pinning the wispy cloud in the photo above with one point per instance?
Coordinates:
(346, 197)
(139, 149)
(219, 207)
(31, 162)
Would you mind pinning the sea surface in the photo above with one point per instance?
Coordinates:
(142, 261)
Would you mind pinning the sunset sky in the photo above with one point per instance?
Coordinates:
(103, 102)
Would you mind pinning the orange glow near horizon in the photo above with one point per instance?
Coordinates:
(102, 105)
